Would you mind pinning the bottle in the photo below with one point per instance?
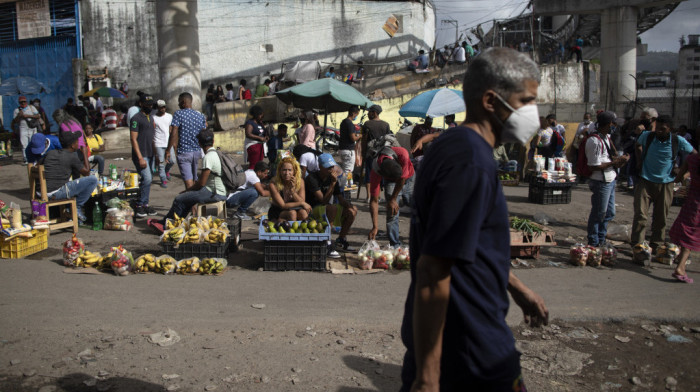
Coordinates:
(350, 183)
(97, 217)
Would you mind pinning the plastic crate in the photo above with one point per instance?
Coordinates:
(199, 250)
(262, 235)
(234, 227)
(542, 192)
(295, 256)
(20, 247)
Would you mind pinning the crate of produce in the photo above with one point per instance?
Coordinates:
(295, 255)
(509, 178)
(234, 227)
(525, 251)
(542, 192)
(204, 250)
(19, 247)
(272, 236)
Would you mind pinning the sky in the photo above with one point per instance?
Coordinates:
(469, 13)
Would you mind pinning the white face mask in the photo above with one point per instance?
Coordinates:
(586, 122)
(521, 124)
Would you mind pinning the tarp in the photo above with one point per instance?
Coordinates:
(327, 94)
(301, 71)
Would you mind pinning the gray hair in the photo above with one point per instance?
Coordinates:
(651, 112)
(62, 117)
(500, 69)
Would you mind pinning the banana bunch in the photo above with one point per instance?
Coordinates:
(192, 235)
(87, 260)
(104, 261)
(216, 223)
(216, 236)
(177, 221)
(188, 266)
(145, 263)
(174, 235)
(165, 264)
(211, 266)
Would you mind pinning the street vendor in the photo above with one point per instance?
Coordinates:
(501, 157)
(209, 187)
(321, 187)
(394, 166)
(40, 145)
(288, 193)
(253, 188)
(96, 146)
(60, 165)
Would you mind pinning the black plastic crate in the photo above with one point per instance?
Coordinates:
(234, 227)
(204, 250)
(542, 192)
(295, 255)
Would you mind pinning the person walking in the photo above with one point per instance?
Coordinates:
(186, 125)
(25, 122)
(454, 325)
(685, 231)
(162, 120)
(256, 137)
(142, 131)
(349, 136)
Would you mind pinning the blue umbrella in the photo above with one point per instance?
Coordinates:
(434, 103)
(22, 85)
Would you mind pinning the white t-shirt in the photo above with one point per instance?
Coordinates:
(250, 180)
(162, 134)
(597, 154)
(29, 110)
(310, 161)
(460, 55)
(582, 127)
(562, 131)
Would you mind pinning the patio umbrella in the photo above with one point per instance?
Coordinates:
(22, 85)
(327, 94)
(434, 103)
(105, 92)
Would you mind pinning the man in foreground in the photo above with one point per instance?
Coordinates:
(454, 325)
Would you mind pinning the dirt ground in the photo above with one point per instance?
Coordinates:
(621, 329)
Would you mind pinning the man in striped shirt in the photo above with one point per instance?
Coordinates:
(109, 116)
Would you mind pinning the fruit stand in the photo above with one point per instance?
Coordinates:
(295, 245)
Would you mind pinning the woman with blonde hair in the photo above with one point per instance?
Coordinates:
(287, 193)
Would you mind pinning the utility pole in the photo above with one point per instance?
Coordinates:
(455, 23)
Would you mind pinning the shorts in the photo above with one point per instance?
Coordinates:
(187, 162)
(347, 160)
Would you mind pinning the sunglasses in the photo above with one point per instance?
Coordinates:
(22, 101)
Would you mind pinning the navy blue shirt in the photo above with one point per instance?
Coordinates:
(460, 212)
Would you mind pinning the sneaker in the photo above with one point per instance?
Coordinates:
(167, 175)
(164, 184)
(332, 253)
(141, 211)
(243, 216)
(151, 211)
(81, 216)
(342, 245)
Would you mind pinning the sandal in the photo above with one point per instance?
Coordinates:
(155, 225)
(682, 278)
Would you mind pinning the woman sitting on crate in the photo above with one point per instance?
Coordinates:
(287, 193)
(209, 187)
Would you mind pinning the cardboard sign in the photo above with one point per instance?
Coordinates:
(33, 19)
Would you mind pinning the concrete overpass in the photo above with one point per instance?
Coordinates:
(618, 42)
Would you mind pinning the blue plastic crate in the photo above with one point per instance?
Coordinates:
(325, 236)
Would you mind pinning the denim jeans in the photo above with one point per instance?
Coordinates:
(146, 179)
(81, 189)
(602, 210)
(100, 163)
(184, 202)
(164, 168)
(392, 222)
(25, 137)
(242, 199)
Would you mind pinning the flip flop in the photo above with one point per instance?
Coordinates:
(155, 225)
(682, 278)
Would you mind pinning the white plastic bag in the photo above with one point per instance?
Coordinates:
(618, 232)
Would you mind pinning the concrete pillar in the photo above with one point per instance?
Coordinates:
(178, 51)
(618, 55)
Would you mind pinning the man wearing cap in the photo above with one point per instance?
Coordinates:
(26, 121)
(349, 135)
(186, 125)
(393, 165)
(374, 128)
(602, 160)
(60, 165)
(142, 130)
(40, 145)
(321, 187)
(162, 120)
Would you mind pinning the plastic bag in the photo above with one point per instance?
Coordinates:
(188, 266)
(145, 263)
(367, 254)
(116, 202)
(121, 260)
(543, 218)
(216, 236)
(260, 206)
(175, 235)
(609, 257)
(88, 260)
(194, 235)
(165, 265)
(39, 213)
(595, 256)
(119, 219)
(641, 254)
(667, 254)
(618, 232)
(402, 258)
(578, 255)
(72, 249)
(212, 266)
(15, 216)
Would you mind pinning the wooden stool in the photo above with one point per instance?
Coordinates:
(36, 174)
(206, 209)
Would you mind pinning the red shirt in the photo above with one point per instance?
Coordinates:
(406, 170)
(110, 117)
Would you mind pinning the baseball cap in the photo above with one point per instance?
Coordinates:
(146, 99)
(326, 160)
(38, 143)
(22, 98)
(375, 108)
(160, 103)
(605, 118)
(68, 138)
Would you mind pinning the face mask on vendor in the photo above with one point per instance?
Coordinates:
(521, 124)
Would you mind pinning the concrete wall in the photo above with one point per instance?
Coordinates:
(249, 39)
(569, 83)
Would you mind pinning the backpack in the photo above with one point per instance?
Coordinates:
(582, 168)
(556, 144)
(381, 146)
(247, 94)
(301, 149)
(232, 174)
